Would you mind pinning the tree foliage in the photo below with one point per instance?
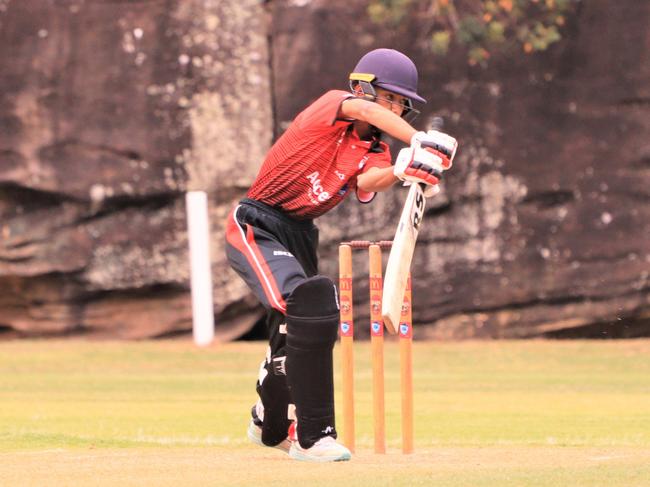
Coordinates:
(482, 27)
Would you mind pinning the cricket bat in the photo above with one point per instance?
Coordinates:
(401, 253)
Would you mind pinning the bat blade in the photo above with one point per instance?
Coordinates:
(400, 257)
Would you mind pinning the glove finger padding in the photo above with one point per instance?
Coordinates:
(417, 168)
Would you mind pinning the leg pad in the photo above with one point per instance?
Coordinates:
(312, 325)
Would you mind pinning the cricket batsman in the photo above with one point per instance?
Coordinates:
(331, 149)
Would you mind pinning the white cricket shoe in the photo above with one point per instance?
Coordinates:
(254, 434)
(327, 449)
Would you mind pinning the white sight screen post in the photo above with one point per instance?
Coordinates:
(198, 234)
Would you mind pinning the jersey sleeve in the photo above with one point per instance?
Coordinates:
(323, 112)
(379, 159)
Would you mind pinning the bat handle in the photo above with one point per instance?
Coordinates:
(437, 123)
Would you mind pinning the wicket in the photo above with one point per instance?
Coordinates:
(346, 330)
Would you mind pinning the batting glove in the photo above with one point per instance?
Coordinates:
(438, 143)
(418, 166)
(424, 161)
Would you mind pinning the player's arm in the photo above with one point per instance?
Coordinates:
(429, 153)
(377, 179)
(382, 118)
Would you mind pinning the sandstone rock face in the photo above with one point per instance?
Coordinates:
(544, 225)
(110, 111)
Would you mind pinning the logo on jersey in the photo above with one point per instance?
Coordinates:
(317, 187)
(282, 252)
(363, 161)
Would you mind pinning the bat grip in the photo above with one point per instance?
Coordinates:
(437, 123)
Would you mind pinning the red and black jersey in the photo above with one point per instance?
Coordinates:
(315, 164)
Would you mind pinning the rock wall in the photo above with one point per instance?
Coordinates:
(544, 225)
(110, 111)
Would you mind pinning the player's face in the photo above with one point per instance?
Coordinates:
(394, 102)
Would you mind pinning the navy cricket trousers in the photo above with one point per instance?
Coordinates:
(273, 253)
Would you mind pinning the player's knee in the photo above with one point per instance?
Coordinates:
(312, 314)
(314, 297)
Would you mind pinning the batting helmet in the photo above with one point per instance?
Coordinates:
(389, 69)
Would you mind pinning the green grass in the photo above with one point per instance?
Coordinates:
(486, 413)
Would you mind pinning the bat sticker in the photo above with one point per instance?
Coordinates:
(418, 210)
